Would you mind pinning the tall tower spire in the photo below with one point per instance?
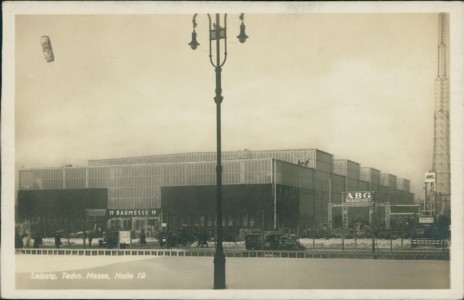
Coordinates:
(441, 141)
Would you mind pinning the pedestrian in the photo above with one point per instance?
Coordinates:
(143, 240)
(37, 240)
(57, 240)
(18, 240)
(26, 240)
(204, 239)
(163, 239)
(99, 232)
(90, 238)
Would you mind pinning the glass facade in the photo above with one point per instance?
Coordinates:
(324, 161)
(338, 187)
(352, 185)
(388, 180)
(347, 168)
(402, 184)
(370, 175)
(296, 176)
(138, 186)
(309, 175)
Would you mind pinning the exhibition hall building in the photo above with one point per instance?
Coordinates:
(295, 189)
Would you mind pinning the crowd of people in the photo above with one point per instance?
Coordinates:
(24, 240)
(36, 240)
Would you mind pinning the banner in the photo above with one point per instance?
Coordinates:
(356, 197)
(133, 212)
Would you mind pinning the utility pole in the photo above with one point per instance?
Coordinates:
(373, 226)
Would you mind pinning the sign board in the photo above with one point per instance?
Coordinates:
(357, 197)
(430, 177)
(222, 34)
(133, 212)
(426, 220)
(125, 237)
(95, 212)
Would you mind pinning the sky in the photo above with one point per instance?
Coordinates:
(359, 86)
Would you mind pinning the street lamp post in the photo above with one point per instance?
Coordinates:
(218, 33)
(373, 226)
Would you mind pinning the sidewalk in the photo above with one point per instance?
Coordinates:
(241, 273)
(55, 263)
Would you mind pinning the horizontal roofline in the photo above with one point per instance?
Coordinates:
(208, 152)
(370, 168)
(344, 159)
(161, 163)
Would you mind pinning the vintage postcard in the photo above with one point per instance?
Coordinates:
(232, 150)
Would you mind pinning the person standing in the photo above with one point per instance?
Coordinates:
(90, 238)
(26, 240)
(143, 240)
(37, 240)
(18, 240)
(57, 240)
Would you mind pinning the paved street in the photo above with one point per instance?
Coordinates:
(74, 272)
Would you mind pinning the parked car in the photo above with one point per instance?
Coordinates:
(272, 241)
(110, 240)
(79, 234)
(348, 233)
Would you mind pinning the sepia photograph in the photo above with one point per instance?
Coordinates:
(232, 150)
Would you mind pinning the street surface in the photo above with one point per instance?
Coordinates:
(157, 273)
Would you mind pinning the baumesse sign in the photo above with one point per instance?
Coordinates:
(133, 212)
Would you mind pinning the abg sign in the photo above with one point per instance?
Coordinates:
(430, 177)
(356, 197)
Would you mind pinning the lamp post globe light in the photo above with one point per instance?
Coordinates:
(218, 33)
